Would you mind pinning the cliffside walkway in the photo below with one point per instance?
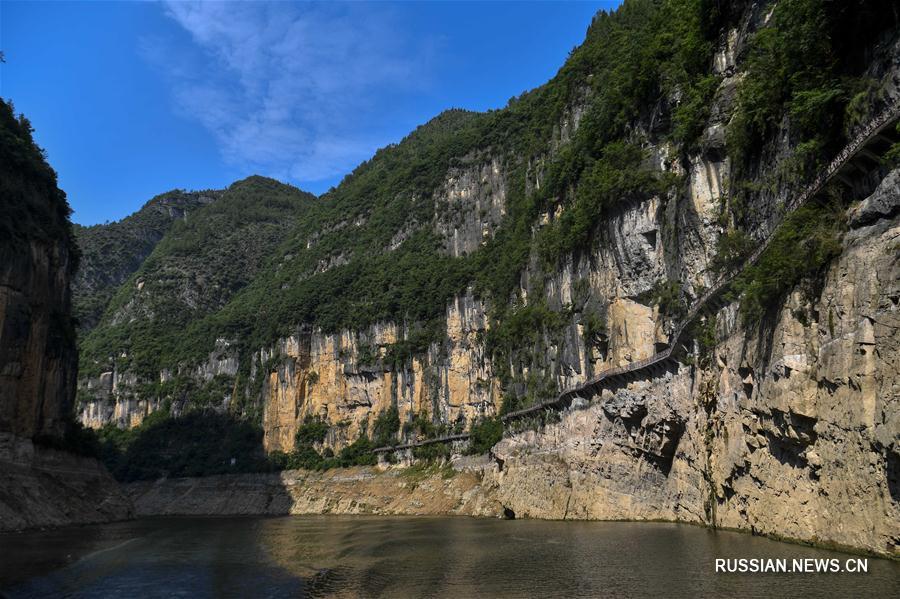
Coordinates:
(857, 158)
(843, 168)
(423, 443)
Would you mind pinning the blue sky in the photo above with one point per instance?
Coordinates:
(130, 99)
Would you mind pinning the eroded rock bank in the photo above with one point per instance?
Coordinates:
(42, 488)
(469, 487)
(427, 490)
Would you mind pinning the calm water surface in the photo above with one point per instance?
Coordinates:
(336, 556)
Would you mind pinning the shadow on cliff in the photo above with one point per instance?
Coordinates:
(892, 470)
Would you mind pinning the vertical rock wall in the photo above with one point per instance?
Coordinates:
(792, 428)
(347, 380)
(38, 359)
(38, 362)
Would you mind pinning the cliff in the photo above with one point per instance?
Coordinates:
(38, 360)
(37, 347)
(489, 262)
(790, 430)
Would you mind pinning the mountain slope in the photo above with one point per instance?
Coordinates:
(489, 261)
(193, 271)
(111, 252)
(385, 245)
(497, 203)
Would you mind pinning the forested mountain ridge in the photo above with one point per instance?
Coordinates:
(194, 269)
(488, 261)
(111, 252)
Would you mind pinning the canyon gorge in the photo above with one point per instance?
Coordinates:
(487, 264)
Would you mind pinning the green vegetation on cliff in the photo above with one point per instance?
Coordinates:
(32, 207)
(806, 66)
(265, 260)
(111, 252)
(484, 435)
(805, 75)
(193, 271)
(368, 251)
(803, 245)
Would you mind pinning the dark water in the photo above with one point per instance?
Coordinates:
(335, 556)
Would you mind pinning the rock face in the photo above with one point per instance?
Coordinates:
(41, 488)
(471, 205)
(792, 430)
(37, 349)
(38, 361)
(344, 379)
(441, 491)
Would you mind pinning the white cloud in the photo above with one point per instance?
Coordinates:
(288, 90)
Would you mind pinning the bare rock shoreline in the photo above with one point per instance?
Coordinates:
(413, 491)
(45, 488)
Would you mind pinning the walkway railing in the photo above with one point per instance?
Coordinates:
(424, 442)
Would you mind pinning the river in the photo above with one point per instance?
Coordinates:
(347, 556)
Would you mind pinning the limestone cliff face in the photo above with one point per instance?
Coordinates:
(346, 380)
(115, 402)
(38, 361)
(791, 430)
(117, 396)
(790, 427)
(470, 205)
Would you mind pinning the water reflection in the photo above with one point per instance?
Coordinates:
(334, 556)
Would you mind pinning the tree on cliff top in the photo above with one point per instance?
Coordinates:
(32, 206)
